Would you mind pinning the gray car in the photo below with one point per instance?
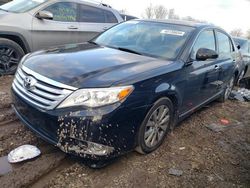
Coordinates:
(30, 25)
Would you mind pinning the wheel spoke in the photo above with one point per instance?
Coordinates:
(150, 124)
(155, 116)
(148, 132)
(165, 120)
(164, 113)
(6, 67)
(153, 139)
(14, 61)
(149, 139)
(10, 52)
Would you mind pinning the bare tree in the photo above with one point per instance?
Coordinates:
(172, 15)
(149, 12)
(160, 12)
(157, 12)
(236, 32)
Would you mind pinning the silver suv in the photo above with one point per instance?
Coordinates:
(30, 25)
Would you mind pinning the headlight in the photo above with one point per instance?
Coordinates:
(97, 97)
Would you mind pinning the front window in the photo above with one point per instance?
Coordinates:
(154, 39)
(63, 11)
(20, 6)
(205, 40)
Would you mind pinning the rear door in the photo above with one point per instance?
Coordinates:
(202, 76)
(227, 57)
(63, 29)
(93, 20)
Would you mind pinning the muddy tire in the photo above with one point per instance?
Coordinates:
(155, 126)
(228, 89)
(10, 55)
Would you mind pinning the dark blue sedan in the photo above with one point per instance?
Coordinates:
(125, 89)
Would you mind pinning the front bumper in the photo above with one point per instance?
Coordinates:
(110, 130)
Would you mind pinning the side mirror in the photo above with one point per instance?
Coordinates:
(204, 54)
(238, 46)
(44, 15)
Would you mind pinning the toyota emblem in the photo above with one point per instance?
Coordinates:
(29, 83)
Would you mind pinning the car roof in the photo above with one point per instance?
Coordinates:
(180, 22)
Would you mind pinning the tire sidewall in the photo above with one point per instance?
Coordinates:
(141, 142)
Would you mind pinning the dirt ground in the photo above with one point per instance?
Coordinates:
(204, 158)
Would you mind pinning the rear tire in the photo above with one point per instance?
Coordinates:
(155, 126)
(226, 93)
(10, 55)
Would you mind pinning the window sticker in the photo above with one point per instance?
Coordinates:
(172, 32)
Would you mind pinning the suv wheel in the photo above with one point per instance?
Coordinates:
(155, 126)
(10, 55)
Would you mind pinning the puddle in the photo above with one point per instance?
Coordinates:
(5, 166)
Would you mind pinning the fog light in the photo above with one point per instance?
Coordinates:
(98, 149)
(87, 147)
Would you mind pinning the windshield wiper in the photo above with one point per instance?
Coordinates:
(92, 42)
(129, 50)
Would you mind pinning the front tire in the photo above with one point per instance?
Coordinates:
(10, 55)
(155, 126)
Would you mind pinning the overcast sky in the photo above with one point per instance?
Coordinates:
(228, 14)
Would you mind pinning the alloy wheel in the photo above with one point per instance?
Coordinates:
(156, 126)
(9, 59)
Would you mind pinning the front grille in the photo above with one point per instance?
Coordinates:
(45, 93)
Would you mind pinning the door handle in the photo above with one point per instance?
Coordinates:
(217, 67)
(105, 28)
(72, 27)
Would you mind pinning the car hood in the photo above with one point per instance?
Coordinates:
(89, 65)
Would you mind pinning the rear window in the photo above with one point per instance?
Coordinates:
(110, 17)
(91, 14)
(205, 40)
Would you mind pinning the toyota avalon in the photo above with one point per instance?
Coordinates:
(125, 89)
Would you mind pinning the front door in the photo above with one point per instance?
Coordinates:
(63, 29)
(202, 76)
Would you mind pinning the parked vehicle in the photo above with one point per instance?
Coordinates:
(244, 48)
(125, 89)
(30, 25)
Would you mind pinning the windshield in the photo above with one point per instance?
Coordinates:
(20, 6)
(147, 38)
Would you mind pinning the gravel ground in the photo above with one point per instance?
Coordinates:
(192, 156)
